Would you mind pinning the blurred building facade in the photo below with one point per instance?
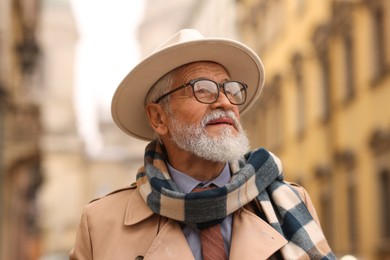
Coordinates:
(72, 177)
(20, 167)
(63, 162)
(46, 176)
(162, 19)
(324, 110)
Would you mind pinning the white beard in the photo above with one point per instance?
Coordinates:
(194, 138)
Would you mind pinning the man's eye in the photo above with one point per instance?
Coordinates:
(203, 91)
(200, 91)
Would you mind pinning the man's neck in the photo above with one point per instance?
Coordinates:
(194, 166)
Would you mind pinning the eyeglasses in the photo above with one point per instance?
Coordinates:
(207, 91)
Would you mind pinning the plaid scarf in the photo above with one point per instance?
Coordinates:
(259, 177)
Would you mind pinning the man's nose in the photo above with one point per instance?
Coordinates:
(222, 101)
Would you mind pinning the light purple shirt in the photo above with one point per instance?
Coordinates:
(186, 184)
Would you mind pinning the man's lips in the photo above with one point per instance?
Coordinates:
(226, 121)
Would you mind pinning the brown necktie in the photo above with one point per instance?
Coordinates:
(211, 238)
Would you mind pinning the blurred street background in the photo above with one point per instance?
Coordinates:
(325, 109)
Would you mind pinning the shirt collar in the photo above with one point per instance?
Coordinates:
(186, 183)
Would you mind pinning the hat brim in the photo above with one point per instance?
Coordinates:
(128, 107)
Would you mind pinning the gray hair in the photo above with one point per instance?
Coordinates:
(162, 86)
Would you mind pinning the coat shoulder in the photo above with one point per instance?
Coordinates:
(117, 196)
(299, 189)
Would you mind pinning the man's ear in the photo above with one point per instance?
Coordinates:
(157, 118)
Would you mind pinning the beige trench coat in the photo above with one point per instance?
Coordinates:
(121, 226)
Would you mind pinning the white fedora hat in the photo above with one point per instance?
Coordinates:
(186, 46)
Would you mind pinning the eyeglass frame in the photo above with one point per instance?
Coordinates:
(219, 86)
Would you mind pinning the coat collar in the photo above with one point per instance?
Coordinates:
(252, 238)
(136, 210)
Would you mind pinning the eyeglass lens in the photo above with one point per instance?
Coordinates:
(207, 91)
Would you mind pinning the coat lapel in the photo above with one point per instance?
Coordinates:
(136, 210)
(170, 243)
(253, 238)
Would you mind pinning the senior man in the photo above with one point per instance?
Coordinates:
(201, 193)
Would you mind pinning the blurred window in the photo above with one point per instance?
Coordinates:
(381, 51)
(353, 227)
(297, 62)
(349, 63)
(384, 186)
